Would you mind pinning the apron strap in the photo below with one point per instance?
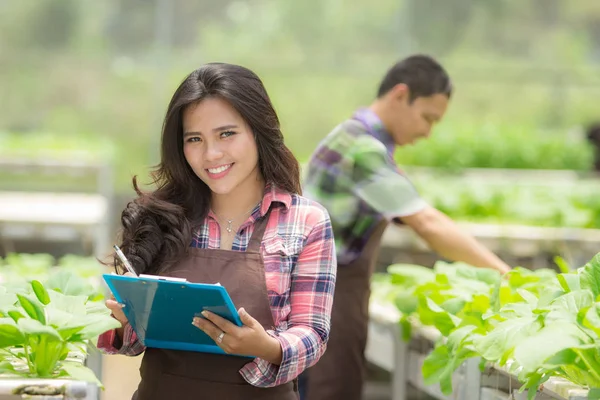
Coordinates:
(259, 230)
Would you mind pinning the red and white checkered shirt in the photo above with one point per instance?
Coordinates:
(300, 269)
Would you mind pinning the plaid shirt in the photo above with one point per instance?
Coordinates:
(300, 269)
(352, 173)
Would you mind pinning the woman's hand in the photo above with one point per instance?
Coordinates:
(251, 339)
(117, 308)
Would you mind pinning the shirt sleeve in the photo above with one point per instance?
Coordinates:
(311, 298)
(110, 343)
(378, 182)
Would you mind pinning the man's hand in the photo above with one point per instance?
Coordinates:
(447, 239)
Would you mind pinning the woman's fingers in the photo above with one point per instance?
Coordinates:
(207, 327)
(117, 310)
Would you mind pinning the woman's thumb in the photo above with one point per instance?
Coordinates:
(245, 317)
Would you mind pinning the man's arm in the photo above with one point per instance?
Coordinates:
(445, 238)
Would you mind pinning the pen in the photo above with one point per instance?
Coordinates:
(124, 260)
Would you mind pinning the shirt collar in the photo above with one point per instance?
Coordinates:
(274, 195)
(375, 127)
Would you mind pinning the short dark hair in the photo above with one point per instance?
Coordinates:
(423, 75)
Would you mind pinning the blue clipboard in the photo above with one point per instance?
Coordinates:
(160, 311)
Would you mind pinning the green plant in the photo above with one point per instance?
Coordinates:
(40, 328)
(574, 206)
(72, 274)
(458, 144)
(537, 324)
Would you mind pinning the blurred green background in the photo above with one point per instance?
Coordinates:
(97, 75)
(85, 82)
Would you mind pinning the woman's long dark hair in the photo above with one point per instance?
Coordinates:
(157, 226)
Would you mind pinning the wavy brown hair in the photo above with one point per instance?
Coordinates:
(157, 225)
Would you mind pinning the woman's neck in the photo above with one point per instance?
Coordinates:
(240, 202)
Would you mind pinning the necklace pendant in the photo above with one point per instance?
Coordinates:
(229, 230)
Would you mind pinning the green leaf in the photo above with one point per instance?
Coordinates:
(457, 337)
(567, 307)
(93, 326)
(80, 373)
(435, 367)
(495, 297)
(498, 345)
(405, 301)
(47, 352)
(40, 292)
(590, 276)
(528, 297)
(32, 307)
(481, 303)
(441, 363)
(453, 306)
(532, 383)
(432, 314)
(405, 328)
(516, 310)
(15, 314)
(536, 349)
(10, 334)
(590, 318)
(580, 366)
(569, 282)
(34, 327)
(68, 283)
(594, 394)
(30, 264)
(99, 307)
(562, 264)
(72, 304)
(519, 276)
(577, 373)
(410, 275)
(487, 275)
(6, 368)
(562, 358)
(7, 299)
(548, 297)
(59, 318)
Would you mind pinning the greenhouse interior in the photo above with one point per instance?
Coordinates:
(515, 163)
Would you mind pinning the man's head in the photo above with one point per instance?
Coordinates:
(412, 97)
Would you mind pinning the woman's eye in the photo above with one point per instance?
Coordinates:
(227, 134)
(193, 139)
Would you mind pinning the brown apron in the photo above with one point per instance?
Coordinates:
(183, 375)
(340, 373)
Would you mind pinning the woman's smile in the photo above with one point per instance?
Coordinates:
(219, 172)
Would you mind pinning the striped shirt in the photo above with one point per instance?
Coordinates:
(300, 269)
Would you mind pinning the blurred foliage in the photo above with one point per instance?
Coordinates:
(499, 145)
(104, 71)
(573, 205)
(74, 275)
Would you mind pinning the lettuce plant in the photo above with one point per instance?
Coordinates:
(537, 324)
(40, 328)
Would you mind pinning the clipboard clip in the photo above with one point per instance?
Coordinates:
(163, 278)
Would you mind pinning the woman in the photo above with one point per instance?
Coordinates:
(228, 185)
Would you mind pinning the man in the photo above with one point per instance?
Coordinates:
(353, 174)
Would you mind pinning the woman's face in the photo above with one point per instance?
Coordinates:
(219, 146)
